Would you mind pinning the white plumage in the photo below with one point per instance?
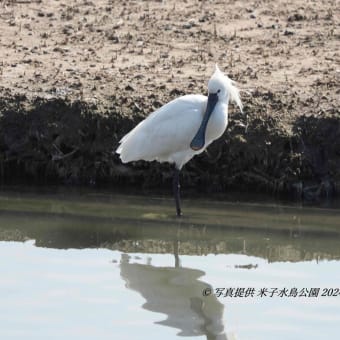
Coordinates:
(183, 127)
(166, 134)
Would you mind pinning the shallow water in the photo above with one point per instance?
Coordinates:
(87, 265)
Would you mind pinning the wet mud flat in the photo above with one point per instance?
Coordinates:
(76, 76)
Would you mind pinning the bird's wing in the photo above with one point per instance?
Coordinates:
(168, 130)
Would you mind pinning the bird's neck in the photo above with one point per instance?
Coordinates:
(222, 105)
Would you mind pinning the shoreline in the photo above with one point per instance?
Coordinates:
(74, 78)
(58, 140)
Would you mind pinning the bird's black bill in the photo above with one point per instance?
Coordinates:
(199, 140)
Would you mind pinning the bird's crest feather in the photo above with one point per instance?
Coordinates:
(233, 91)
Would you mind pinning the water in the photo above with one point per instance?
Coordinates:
(88, 265)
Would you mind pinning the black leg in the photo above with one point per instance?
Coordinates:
(177, 260)
(176, 188)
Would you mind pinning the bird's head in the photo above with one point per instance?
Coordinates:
(224, 88)
(221, 89)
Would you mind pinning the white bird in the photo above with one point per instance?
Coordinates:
(182, 128)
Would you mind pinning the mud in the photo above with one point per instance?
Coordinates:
(76, 76)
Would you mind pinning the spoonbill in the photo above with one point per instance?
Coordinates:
(182, 128)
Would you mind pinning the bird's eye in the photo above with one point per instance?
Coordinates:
(218, 91)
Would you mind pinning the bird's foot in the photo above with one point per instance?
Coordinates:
(179, 214)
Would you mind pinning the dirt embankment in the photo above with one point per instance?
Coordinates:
(75, 76)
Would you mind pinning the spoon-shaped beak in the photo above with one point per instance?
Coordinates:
(199, 140)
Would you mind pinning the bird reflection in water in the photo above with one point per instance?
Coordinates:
(176, 292)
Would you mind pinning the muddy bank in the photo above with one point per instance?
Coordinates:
(58, 140)
(75, 76)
